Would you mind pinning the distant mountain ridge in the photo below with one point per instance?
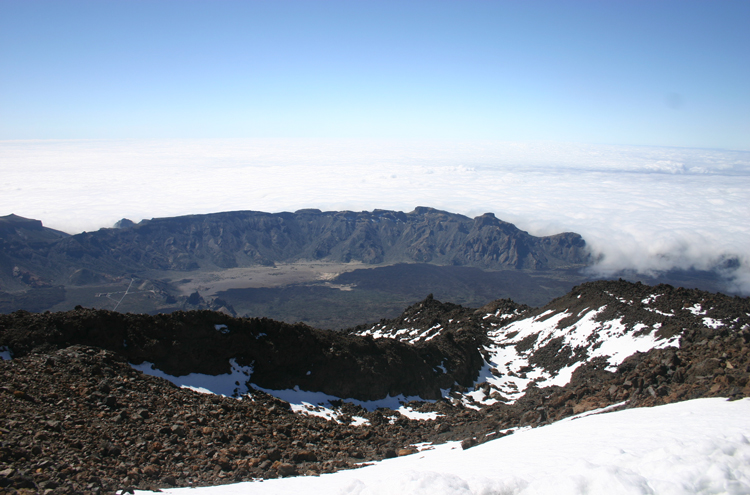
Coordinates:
(245, 238)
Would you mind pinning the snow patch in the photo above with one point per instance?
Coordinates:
(659, 312)
(406, 334)
(650, 298)
(322, 405)
(418, 415)
(235, 384)
(360, 421)
(712, 323)
(232, 384)
(696, 309)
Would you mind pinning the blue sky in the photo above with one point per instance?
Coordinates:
(658, 73)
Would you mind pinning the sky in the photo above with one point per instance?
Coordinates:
(626, 122)
(665, 73)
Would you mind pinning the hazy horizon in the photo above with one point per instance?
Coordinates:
(639, 208)
(627, 122)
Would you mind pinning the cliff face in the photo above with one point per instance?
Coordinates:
(24, 250)
(225, 240)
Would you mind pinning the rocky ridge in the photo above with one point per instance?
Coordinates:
(246, 238)
(78, 419)
(431, 318)
(603, 322)
(282, 355)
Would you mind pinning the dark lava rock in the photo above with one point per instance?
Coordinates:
(78, 418)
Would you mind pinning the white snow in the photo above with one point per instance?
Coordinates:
(231, 384)
(650, 299)
(418, 415)
(295, 396)
(5, 353)
(614, 341)
(408, 334)
(695, 447)
(659, 312)
(315, 410)
(712, 323)
(222, 328)
(696, 309)
(360, 421)
(235, 384)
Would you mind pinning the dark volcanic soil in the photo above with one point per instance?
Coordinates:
(79, 419)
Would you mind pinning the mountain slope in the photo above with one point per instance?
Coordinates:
(246, 238)
(598, 325)
(282, 356)
(25, 245)
(69, 409)
(493, 355)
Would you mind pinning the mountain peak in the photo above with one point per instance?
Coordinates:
(13, 221)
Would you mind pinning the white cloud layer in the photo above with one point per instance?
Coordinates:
(640, 208)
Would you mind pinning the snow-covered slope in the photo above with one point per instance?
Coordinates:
(608, 321)
(694, 447)
(602, 322)
(546, 349)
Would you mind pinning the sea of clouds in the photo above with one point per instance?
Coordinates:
(639, 208)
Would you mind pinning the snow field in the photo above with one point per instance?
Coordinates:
(694, 447)
(230, 384)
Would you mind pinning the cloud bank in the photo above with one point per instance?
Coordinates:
(639, 208)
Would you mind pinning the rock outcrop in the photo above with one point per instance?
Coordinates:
(76, 417)
(245, 238)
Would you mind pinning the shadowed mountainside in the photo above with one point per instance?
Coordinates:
(246, 238)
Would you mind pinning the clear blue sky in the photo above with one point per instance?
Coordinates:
(668, 73)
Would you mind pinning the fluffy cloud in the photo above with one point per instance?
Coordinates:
(639, 208)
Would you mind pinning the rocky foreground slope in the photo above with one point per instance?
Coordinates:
(76, 417)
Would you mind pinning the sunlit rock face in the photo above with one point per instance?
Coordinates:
(226, 240)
